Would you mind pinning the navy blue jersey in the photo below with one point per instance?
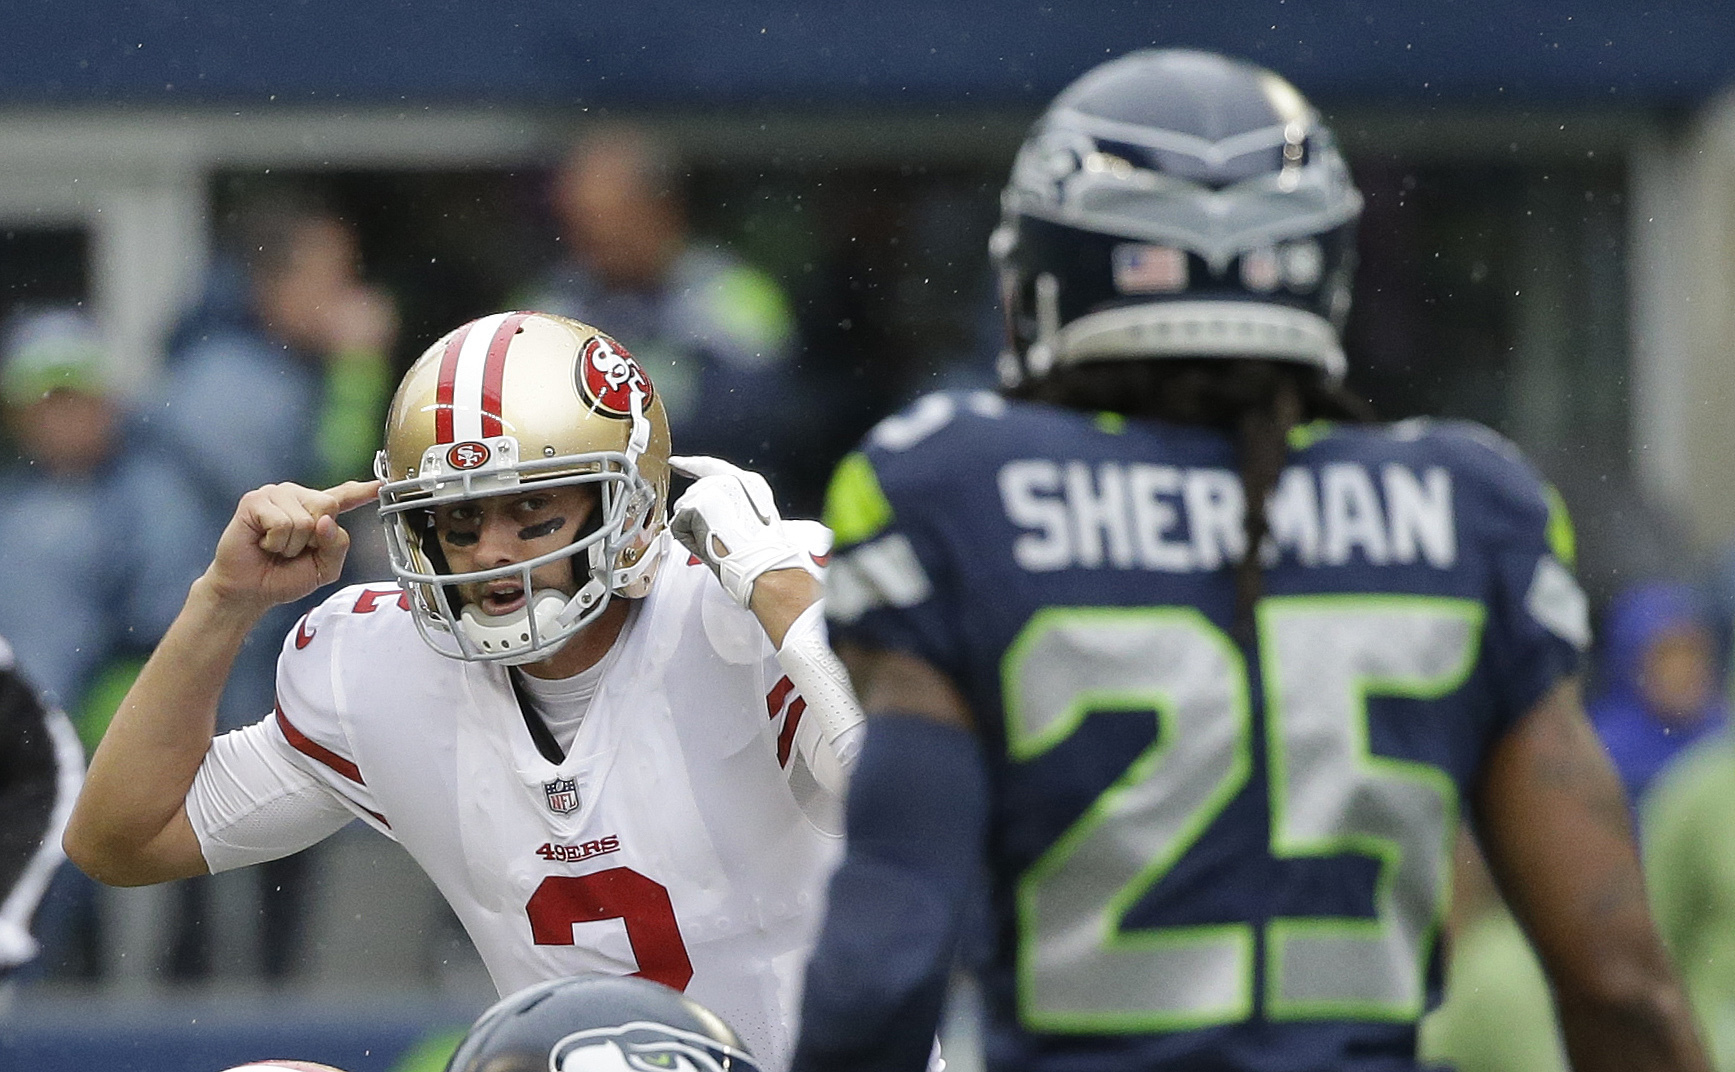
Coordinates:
(1214, 845)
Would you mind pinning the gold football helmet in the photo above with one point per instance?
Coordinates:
(506, 401)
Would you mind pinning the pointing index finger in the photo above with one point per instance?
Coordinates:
(698, 466)
(353, 493)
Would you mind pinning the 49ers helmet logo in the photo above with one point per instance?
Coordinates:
(607, 376)
(467, 455)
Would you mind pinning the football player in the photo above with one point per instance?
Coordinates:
(1200, 668)
(41, 763)
(612, 756)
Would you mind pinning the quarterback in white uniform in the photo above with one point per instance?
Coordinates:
(612, 754)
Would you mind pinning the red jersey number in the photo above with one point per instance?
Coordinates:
(369, 601)
(617, 893)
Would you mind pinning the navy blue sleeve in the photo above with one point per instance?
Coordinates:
(915, 828)
(892, 584)
(1538, 617)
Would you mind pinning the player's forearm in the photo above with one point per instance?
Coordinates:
(830, 736)
(1555, 826)
(129, 826)
(1645, 1026)
(780, 597)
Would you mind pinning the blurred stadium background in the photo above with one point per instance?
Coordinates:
(1548, 246)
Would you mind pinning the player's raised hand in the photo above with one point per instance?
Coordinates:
(729, 519)
(284, 541)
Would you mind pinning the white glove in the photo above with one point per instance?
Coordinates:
(729, 519)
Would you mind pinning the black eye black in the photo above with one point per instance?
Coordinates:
(542, 528)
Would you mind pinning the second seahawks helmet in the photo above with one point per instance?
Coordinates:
(1176, 204)
(610, 1024)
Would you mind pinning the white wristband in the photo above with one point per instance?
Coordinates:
(830, 733)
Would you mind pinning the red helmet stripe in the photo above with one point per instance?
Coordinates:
(495, 371)
(448, 383)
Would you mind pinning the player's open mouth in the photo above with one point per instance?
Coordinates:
(498, 599)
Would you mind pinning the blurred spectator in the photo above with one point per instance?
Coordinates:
(1689, 843)
(112, 534)
(41, 766)
(281, 373)
(1659, 680)
(715, 334)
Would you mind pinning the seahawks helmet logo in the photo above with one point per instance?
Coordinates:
(645, 1047)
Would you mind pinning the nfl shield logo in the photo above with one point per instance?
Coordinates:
(562, 795)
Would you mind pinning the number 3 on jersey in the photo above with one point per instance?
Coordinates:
(1322, 657)
(617, 893)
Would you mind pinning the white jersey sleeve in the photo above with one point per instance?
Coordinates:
(286, 782)
(251, 802)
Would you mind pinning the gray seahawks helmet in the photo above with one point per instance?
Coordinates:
(609, 1024)
(1176, 203)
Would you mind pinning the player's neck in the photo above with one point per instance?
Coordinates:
(587, 646)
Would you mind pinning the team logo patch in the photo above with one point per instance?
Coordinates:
(468, 455)
(562, 795)
(645, 1047)
(608, 375)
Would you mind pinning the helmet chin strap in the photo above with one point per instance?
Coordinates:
(498, 633)
(634, 581)
(555, 616)
(640, 440)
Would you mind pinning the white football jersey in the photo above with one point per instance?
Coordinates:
(669, 843)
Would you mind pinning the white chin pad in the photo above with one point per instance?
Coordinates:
(502, 633)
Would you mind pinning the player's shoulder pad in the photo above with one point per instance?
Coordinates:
(370, 598)
(932, 415)
(306, 712)
(379, 604)
(911, 453)
(1495, 475)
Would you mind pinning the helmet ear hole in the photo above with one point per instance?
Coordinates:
(641, 507)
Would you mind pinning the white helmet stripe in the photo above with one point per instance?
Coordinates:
(469, 376)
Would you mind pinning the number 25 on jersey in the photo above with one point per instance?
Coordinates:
(1079, 970)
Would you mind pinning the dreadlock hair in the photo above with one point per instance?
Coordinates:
(1258, 402)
